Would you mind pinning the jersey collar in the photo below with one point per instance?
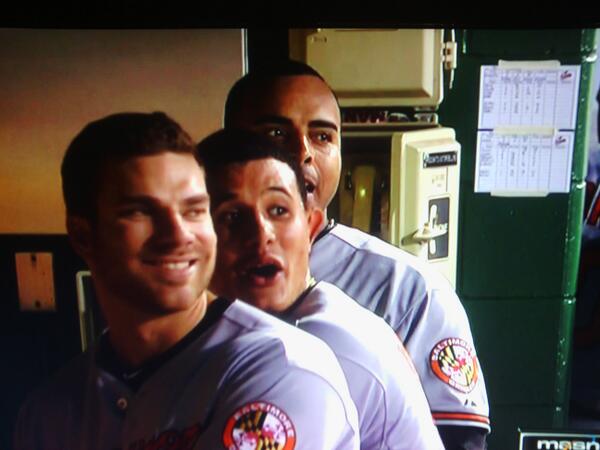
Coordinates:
(325, 230)
(108, 360)
(288, 315)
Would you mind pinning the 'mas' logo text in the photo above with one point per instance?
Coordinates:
(567, 445)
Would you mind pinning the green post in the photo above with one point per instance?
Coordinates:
(518, 256)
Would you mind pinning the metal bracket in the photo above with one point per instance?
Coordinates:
(450, 57)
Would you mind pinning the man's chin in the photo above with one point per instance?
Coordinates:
(313, 201)
(175, 300)
(266, 301)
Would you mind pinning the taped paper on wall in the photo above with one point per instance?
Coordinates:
(523, 164)
(528, 96)
(526, 129)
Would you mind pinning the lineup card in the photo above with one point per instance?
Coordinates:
(524, 163)
(543, 97)
(525, 138)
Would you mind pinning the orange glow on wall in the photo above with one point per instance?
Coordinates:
(56, 81)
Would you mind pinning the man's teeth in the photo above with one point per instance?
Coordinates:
(176, 265)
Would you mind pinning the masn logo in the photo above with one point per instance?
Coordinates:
(567, 445)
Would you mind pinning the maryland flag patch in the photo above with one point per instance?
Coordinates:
(259, 426)
(454, 362)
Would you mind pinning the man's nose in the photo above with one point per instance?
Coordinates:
(261, 231)
(172, 230)
(303, 148)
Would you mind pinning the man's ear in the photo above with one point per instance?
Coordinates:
(80, 235)
(315, 218)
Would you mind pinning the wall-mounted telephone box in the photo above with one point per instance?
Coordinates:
(375, 67)
(403, 187)
(424, 190)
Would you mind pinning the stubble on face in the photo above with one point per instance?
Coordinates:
(153, 250)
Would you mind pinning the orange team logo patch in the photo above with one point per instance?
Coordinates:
(259, 426)
(454, 362)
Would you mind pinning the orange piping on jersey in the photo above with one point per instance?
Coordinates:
(461, 416)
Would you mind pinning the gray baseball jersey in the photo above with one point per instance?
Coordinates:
(250, 381)
(392, 409)
(422, 307)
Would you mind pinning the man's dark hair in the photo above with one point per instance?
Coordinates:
(235, 146)
(114, 138)
(261, 78)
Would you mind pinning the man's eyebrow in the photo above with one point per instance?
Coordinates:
(281, 120)
(221, 198)
(227, 196)
(272, 118)
(195, 199)
(278, 189)
(147, 199)
(322, 124)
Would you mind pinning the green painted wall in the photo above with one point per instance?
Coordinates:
(518, 257)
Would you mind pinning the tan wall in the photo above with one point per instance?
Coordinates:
(53, 82)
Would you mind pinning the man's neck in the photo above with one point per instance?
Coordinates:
(289, 312)
(137, 337)
(325, 227)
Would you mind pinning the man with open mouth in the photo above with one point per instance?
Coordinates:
(172, 371)
(291, 103)
(264, 227)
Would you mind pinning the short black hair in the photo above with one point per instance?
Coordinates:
(236, 146)
(262, 77)
(114, 138)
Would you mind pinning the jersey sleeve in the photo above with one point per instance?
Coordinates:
(402, 420)
(410, 424)
(266, 405)
(423, 309)
(37, 427)
(441, 346)
(392, 408)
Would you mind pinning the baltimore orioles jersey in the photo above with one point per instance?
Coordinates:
(249, 381)
(423, 309)
(392, 409)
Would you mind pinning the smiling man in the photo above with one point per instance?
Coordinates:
(292, 104)
(171, 371)
(264, 227)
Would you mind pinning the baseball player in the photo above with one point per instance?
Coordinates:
(291, 103)
(264, 228)
(171, 372)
